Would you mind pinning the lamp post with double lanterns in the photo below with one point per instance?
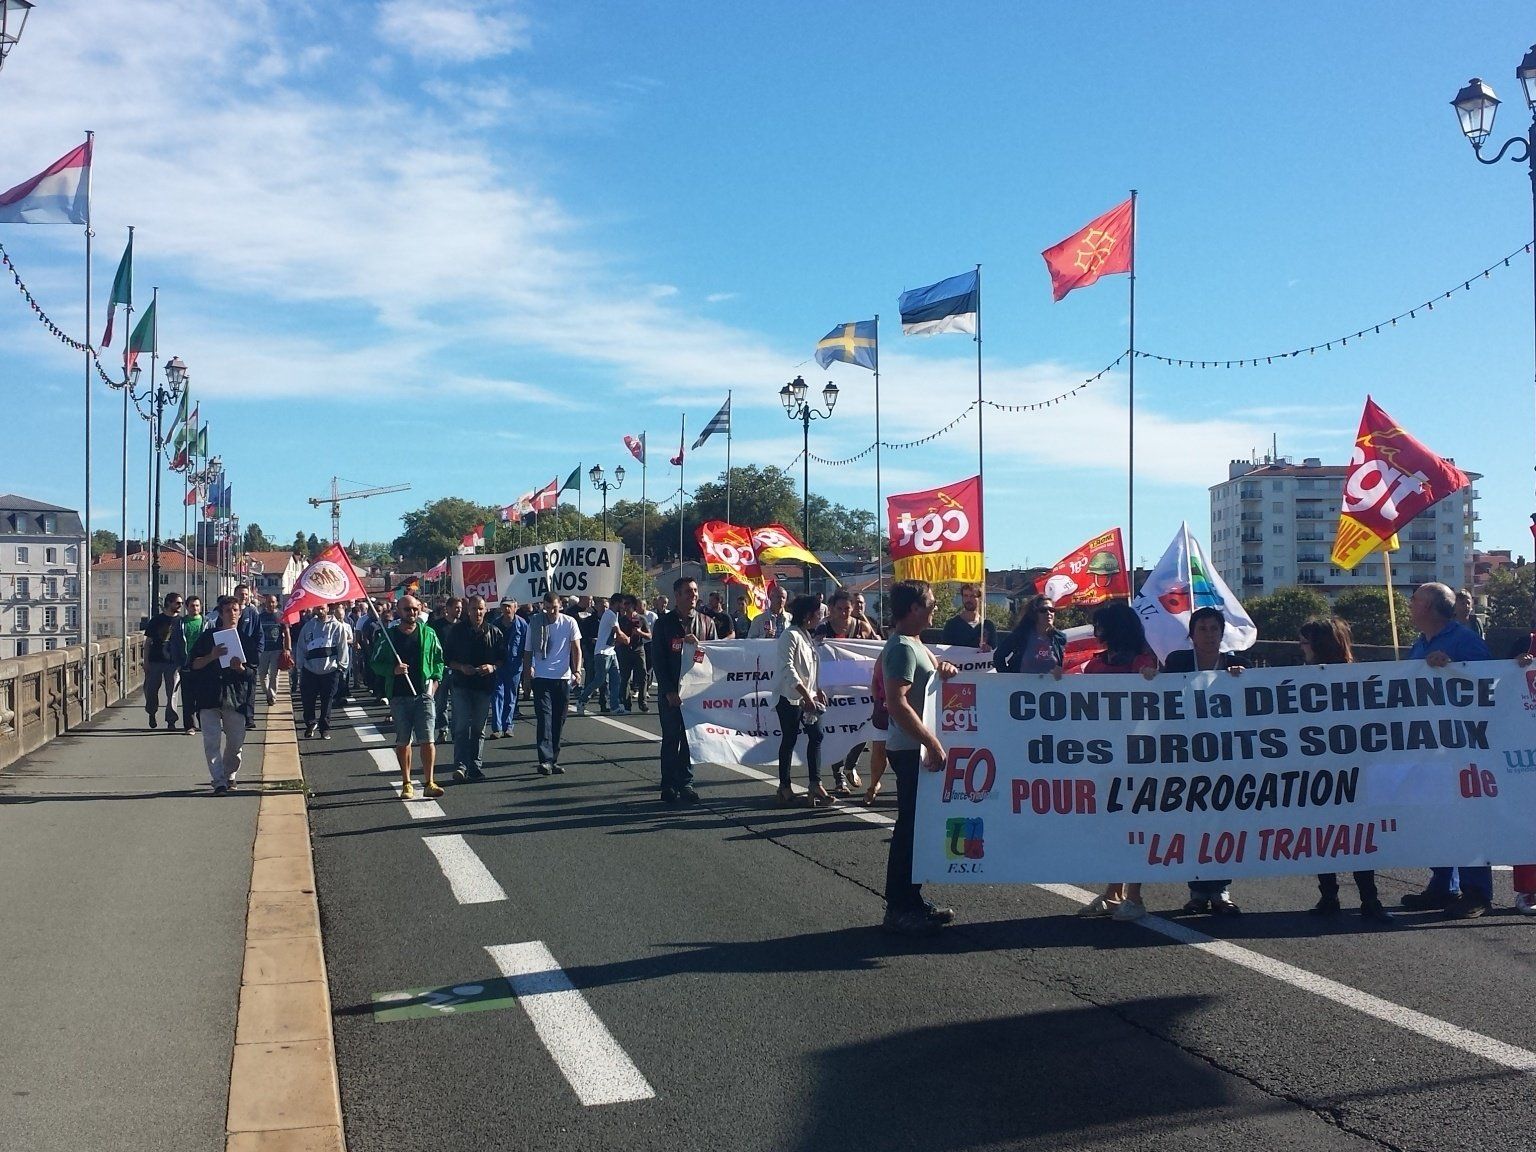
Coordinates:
(797, 407)
(595, 474)
(13, 18)
(1475, 107)
(169, 393)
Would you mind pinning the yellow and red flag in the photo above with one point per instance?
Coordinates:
(1391, 479)
(728, 551)
(1102, 247)
(936, 535)
(1090, 574)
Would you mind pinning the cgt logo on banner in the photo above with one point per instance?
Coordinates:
(936, 535)
(567, 567)
(957, 707)
(1190, 777)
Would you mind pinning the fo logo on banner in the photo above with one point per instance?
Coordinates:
(963, 839)
(969, 773)
(958, 703)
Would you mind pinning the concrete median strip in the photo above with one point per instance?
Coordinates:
(283, 1093)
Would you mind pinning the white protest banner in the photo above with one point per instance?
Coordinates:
(567, 567)
(1211, 776)
(728, 703)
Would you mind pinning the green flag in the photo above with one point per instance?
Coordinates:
(122, 289)
(181, 409)
(201, 450)
(144, 338)
(573, 480)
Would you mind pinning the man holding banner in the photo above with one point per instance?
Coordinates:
(676, 633)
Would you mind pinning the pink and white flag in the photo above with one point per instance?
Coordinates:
(59, 195)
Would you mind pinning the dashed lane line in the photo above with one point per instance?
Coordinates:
(1452, 1035)
(423, 809)
(591, 1060)
(468, 877)
(367, 731)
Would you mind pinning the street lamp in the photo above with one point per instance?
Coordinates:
(797, 407)
(13, 18)
(595, 474)
(1476, 106)
(175, 381)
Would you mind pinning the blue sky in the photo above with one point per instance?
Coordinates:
(467, 245)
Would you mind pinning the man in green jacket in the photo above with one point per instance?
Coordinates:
(409, 661)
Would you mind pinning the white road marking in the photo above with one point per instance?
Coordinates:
(470, 879)
(1475, 1043)
(1452, 1035)
(422, 809)
(588, 1056)
(367, 731)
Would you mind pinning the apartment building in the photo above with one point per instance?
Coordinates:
(41, 546)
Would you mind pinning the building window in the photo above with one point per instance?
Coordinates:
(50, 588)
(71, 619)
(1277, 529)
(71, 587)
(1277, 506)
(49, 644)
(23, 619)
(1277, 485)
(50, 617)
(49, 522)
(23, 588)
(101, 603)
(50, 555)
(23, 554)
(71, 555)
(23, 647)
(1279, 573)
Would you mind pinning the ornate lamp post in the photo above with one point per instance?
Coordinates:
(1475, 107)
(595, 474)
(13, 18)
(797, 407)
(170, 393)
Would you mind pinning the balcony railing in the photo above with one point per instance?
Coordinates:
(1250, 561)
(1311, 537)
(1250, 517)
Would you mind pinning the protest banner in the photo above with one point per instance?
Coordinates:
(566, 567)
(936, 535)
(1212, 776)
(728, 704)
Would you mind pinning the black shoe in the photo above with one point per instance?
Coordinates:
(668, 796)
(309, 732)
(1426, 900)
(1223, 906)
(1197, 906)
(1376, 914)
(325, 735)
(914, 922)
(153, 721)
(1469, 907)
(460, 776)
(1328, 906)
(220, 790)
(475, 774)
(557, 770)
(687, 795)
(937, 915)
(644, 707)
(251, 725)
(543, 769)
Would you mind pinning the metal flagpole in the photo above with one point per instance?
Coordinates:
(682, 490)
(84, 560)
(728, 481)
(122, 543)
(1130, 457)
(645, 564)
(981, 460)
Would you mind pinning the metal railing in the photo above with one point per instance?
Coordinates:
(42, 695)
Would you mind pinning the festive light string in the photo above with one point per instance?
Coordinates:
(1341, 341)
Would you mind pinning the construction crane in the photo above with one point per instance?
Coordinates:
(337, 496)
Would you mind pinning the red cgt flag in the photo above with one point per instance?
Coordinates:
(330, 579)
(1104, 247)
(1091, 574)
(728, 551)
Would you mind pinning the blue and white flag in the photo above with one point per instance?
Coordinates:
(948, 306)
(855, 343)
(720, 423)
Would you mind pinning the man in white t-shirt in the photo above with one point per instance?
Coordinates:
(552, 660)
(604, 672)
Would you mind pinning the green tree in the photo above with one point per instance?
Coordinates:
(1369, 621)
(1280, 615)
(434, 530)
(301, 546)
(255, 540)
(103, 543)
(313, 545)
(1509, 597)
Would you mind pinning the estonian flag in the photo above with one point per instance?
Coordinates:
(948, 306)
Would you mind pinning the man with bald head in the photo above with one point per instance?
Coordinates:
(474, 654)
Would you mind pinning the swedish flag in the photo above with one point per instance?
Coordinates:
(856, 343)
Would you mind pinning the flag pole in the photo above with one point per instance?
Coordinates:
(981, 462)
(645, 565)
(682, 489)
(728, 438)
(1130, 460)
(86, 630)
(1386, 565)
(879, 492)
(122, 544)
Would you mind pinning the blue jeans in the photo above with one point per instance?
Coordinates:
(603, 674)
(550, 700)
(901, 895)
(470, 708)
(504, 701)
(1476, 881)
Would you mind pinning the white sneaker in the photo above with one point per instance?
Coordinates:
(1129, 910)
(1525, 903)
(1099, 906)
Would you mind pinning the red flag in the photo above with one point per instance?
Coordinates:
(330, 579)
(1104, 247)
(936, 535)
(1392, 478)
(547, 498)
(636, 446)
(728, 551)
(1090, 574)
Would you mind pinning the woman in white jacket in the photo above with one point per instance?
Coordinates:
(800, 702)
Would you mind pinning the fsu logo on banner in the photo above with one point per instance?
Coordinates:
(1392, 478)
(1093, 573)
(936, 535)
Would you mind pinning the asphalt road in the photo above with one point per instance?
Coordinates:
(722, 983)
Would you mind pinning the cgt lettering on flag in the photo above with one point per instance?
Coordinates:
(936, 535)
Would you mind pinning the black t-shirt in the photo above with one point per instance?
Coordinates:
(157, 638)
(957, 630)
(724, 628)
(408, 648)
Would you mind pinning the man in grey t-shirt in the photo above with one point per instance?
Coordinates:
(908, 668)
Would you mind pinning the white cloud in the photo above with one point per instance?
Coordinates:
(453, 31)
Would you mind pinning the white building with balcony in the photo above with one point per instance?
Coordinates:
(180, 572)
(40, 556)
(1273, 523)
